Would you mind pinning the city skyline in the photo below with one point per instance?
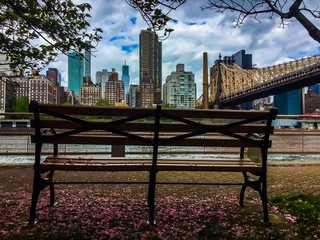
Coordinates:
(195, 32)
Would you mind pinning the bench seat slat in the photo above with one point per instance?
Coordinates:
(125, 164)
(112, 160)
(116, 140)
(160, 167)
(211, 168)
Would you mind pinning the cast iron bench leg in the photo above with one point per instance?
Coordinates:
(261, 187)
(245, 184)
(151, 197)
(38, 185)
(35, 195)
(264, 198)
(51, 185)
(241, 198)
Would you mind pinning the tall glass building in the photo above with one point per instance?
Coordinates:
(87, 62)
(243, 60)
(316, 88)
(75, 72)
(132, 99)
(125, 77)
(289, 103)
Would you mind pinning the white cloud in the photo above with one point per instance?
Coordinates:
(283, 60)
(214, 34)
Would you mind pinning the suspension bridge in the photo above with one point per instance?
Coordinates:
(231, 85)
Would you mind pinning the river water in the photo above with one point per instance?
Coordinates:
(14, 159)
(19, 149)
(18, 159)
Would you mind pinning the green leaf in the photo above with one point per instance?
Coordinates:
(60, 24)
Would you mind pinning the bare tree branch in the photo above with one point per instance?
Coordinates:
(255, 8)
(152, 11)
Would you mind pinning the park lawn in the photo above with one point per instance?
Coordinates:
(182, 212)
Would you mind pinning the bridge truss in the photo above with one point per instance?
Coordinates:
(229, 81)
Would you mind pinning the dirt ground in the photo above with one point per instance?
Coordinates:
(117, 211)
(283, 179)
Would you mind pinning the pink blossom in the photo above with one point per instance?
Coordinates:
(121, 213)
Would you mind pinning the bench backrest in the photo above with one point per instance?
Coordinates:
(151, 127)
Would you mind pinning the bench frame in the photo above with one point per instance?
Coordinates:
(118, 127)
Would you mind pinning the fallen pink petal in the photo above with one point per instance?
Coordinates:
(120, 212)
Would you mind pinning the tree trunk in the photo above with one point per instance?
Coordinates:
(295, 12)
(313, 31)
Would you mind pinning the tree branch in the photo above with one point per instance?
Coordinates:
(254, 8)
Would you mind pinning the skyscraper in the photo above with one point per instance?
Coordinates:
(180, 89)
(7, 92)
(315, 88)
(114, 88)
(75, 72)
(87, 62)
(244, 60)
(7, 89)
(125, 77)
(54, 75)
(145, 93)
(150, 65)
(101, 78)
(289, 103)
(132, 96)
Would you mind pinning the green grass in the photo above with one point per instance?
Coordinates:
(306, 209)
(8, 203)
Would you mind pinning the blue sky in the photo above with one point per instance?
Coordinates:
(195, 32)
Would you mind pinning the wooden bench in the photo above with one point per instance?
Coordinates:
(157, 128)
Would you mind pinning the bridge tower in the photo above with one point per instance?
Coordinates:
(215, 83)
(205, 98)
(216, 79)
